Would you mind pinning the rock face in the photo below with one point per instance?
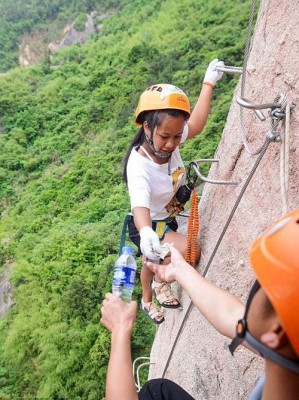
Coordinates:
(5, 291)
(71, 35)
(35, 46)
(201, 362)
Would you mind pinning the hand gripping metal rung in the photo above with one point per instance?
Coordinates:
(194, 165)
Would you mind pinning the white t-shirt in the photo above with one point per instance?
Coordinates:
(150, 184)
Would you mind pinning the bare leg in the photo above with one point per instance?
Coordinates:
(146, 276)
(180, 243)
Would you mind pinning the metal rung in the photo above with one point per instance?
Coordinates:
(231, 69)
(183, 215)
(248, 104)
(203, 178)
(273, 106)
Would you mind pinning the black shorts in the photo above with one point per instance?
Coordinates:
(163, 389)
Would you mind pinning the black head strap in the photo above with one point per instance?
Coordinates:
(241, 328)
(292, 365)
(243, 334)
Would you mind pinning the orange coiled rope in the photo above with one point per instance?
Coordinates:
(193, 229)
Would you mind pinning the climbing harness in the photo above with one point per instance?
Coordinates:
(158, 226)
(182, 197)
(184, 192)
(126, 222)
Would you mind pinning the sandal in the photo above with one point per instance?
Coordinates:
(154, 313)
(164, 295)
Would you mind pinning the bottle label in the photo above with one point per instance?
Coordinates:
(123, 276)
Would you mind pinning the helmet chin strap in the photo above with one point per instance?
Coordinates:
(157, 153)
(244, 334)
(291, 365)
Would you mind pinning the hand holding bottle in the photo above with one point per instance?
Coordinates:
(118, 315)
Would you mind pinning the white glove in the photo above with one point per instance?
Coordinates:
(212, 75)
(149, 243)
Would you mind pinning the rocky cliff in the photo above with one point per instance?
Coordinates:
(201, 362)
(38, 45)
(6, 301)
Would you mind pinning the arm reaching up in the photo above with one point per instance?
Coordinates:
(218, 306)
(200, 113)
(119, 317)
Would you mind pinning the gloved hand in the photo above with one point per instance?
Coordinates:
(149, 243)
(212, 75)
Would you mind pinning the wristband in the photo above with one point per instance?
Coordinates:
(209, 84)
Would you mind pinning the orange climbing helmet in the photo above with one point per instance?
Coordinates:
(275, 260)
(160, 97)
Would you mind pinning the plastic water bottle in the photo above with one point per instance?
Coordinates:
(124, 275)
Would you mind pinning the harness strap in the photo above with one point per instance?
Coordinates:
(124, 231)
(241, 327)
(160, 228)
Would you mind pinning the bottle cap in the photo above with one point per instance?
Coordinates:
(127, 250)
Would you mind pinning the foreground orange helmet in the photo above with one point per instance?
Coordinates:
(275, 261)
(160, 97)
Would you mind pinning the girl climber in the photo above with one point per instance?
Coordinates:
(154, 171)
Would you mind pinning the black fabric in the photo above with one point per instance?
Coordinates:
(134, 234)
(256, 286)
(173, 224)
(163, 389)
(240, 335)
(184, 193)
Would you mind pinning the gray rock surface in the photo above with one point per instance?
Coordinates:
(201, 362)
(6, 300)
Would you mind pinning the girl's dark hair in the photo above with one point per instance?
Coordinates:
(153, 119)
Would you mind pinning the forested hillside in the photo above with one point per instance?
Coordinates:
(64, 133)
